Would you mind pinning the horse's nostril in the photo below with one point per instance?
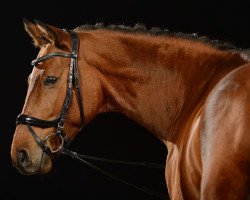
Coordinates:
(22, 158)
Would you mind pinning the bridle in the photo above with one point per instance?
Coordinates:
(58, 123)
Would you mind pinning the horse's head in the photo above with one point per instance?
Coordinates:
(53, 103)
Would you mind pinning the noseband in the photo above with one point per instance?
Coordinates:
(58, 123)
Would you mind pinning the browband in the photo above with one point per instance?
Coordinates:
(52, 55)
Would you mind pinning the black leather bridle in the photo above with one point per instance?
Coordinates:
(58, 123)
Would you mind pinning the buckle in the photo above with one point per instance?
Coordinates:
(60, 125)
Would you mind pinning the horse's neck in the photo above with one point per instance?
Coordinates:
(157, 81)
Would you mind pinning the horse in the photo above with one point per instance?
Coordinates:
(191, 93)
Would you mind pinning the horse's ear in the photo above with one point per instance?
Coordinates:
(34, 32)
(54, 35)
(43, 34)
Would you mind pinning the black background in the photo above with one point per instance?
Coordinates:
(109, 135)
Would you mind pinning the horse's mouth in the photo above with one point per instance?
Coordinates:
(40, 167)
(23, 170)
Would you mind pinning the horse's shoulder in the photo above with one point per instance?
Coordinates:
(235, 86)
(227, 108)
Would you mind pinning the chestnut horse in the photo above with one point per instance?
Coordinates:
(191, 94)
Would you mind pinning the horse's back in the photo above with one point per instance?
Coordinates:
(225, 138)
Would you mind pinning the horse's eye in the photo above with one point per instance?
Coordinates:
(50, 80)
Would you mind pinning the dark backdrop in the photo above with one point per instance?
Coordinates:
(109, 135)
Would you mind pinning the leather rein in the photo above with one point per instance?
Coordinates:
(58, 123)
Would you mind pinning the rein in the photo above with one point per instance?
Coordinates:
(58, 123)
(83, 158)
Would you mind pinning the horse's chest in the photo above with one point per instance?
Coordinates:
(183, 169)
